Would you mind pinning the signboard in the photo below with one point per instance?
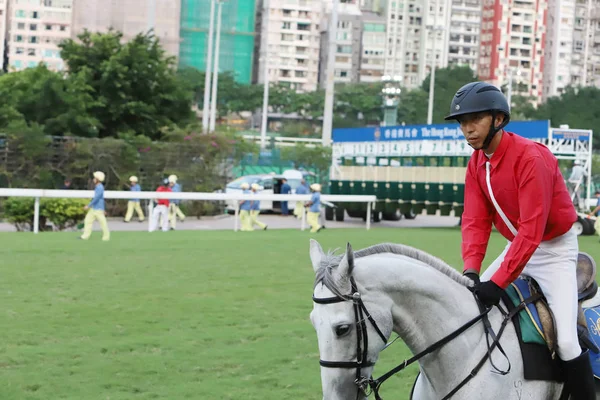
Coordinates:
(420, 140)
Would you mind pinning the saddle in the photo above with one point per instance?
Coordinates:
(544, 320)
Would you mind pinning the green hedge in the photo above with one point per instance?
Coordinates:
(61, 213)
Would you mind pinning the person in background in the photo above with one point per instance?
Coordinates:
(314, 208)
(255, 210)
(576, 178)
(96, 210)
(161, 210)
(596, 213)
(302, 189)
(134, 204)
(245, 208)
(174, 210)
(66, 185)
(285, 189)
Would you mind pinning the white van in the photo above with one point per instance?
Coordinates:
(271, 184)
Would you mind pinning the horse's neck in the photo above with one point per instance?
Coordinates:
(427, 307)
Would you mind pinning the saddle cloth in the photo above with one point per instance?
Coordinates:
(535, 324)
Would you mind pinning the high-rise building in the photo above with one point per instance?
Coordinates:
(347, 44)
(512, 45)
(376, 6)
(236, 48)
(572, 54)
(131, 17)
(414, 29)
(290, 37)
(558, 54)
(35, 29)
(465, 24)
(372, 52)
(3, 27)
(586, 43)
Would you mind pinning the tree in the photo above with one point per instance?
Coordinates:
(60, 103)
(135, 83)
(447, 82)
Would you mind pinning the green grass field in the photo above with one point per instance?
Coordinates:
(182, 315)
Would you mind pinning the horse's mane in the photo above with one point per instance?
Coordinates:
(331, 261)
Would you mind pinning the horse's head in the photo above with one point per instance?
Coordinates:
(352, 325)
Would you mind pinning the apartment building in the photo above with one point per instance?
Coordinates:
(586, 44)
(35, 29)
(131, 17)
(347, 44)
(414, 29)
(512, 45)
(3, 27)
(465, 24)
(376, 6)
(290, 43)
(372, 52)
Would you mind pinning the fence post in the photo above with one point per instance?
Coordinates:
(36, 215)
(368, 216)
(150, 211)
(237, 212)
(303, 225)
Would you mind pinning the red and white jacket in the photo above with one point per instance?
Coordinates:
(529, 188)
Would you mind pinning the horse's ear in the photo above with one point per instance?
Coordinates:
(316, 254)
(347, 264)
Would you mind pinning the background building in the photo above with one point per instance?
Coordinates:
(513, 38)
(237, 36)
(34, 30)
(291, 37)
(465, 24)
(348, 43)
(131, 17)
(410, 41)
(372, 52)
(3, 28)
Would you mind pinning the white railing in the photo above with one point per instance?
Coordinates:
(287, 141)
(109, 194)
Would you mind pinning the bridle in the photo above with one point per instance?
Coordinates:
(368, 385)
(362, 337)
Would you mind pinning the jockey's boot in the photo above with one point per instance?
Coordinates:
(579, 377)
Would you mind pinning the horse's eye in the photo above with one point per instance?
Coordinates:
(342, 330)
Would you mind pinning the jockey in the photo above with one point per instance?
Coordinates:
(516, 185)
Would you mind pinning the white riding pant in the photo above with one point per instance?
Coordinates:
(554, 266)
(160, 211)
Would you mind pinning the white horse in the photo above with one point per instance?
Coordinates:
(423, 300)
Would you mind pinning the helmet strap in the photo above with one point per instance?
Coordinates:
(493, 130)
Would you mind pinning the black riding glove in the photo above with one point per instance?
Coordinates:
(488, 293)
(474, 276)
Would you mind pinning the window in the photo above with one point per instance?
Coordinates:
(33, 27)
(18, 38)
(20, 14)
(287, 25)
(48, 27)
(31, 52)
(33, 39)
(35, 15)
(63, 28)
(20, 50)
(31, 64)
(17, 63)
(578, 45)
(20, 26)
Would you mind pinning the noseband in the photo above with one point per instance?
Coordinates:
(362, 337)
(362, 342)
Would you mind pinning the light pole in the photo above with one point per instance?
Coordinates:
(511, 71)
(151, 14)
(213, 103)
(329, 89)
(265, 60)
(391, 99)
(433, 29)
(206, 104)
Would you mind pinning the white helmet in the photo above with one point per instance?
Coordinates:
(99, 175)
(245, 185)
(133, 179)
(316, 187)
(577, 162)
(172, 178)
(255, 186)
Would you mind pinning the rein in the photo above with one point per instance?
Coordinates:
(364, 383)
